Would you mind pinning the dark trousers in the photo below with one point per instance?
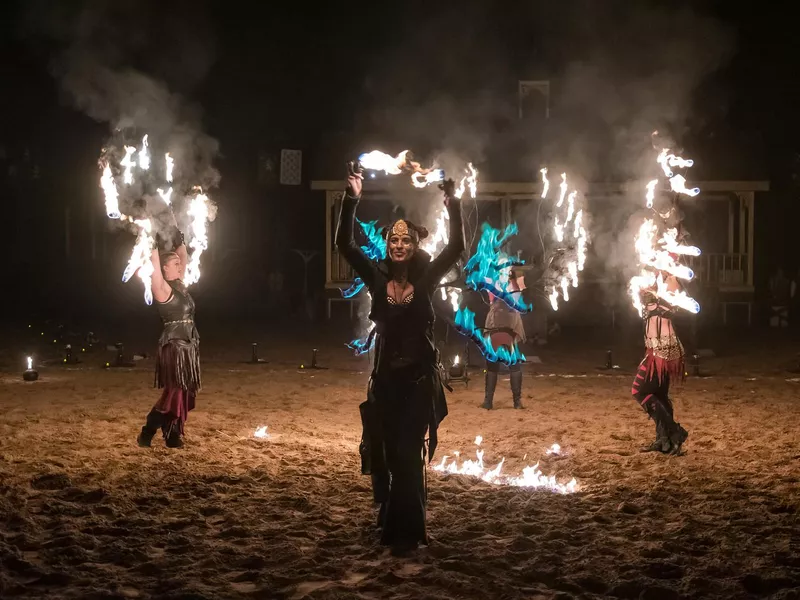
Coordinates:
(652, 394)
(403, 410)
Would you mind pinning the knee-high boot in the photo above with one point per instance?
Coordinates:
(516, 388)
(491, 384)
(154, 422)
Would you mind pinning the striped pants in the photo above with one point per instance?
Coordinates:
(652, 394)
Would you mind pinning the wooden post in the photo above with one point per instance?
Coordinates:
(751, 227)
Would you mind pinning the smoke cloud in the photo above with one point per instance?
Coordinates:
(113, 62)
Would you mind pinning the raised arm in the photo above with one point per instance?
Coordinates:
(161, 289)
(455, 243)
(345, 234)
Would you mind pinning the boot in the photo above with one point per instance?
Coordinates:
(151, 427)
(173, 436)
(491, 384)
(660, 415)
(678, 437)
(516, 388)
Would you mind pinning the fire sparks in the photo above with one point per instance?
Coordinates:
(531, 476)
(658, 248)
(402, 163)
(569, 258)
(200, 209)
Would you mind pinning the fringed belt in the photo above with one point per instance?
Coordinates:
(182, 321)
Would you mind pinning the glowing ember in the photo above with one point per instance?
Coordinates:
(531, 476)
(261, 432)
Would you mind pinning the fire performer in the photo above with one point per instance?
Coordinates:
(178, 358)
(505, 328)
(405, 396)
(663, 362)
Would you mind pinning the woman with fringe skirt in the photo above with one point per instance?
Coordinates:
(178, 357)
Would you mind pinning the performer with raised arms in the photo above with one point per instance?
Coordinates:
(178, 358)
(406, 397)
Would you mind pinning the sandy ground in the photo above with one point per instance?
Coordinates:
(85, 513)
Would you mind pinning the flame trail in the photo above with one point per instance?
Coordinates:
(545, 182)
(395, 165)
(198, 235)
(657, 253)
(111, 193)
(140, 260)
(165, 196)
(170, 164)
(569, 257)
(128, 163)
(144, 156)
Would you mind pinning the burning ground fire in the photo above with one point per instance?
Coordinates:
(570, 234)
(658, 246)
(200, 210)
(531, 476)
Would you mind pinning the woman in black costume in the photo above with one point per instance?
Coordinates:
(405, 397)
(178, 358)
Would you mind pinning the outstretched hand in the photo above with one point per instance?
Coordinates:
(449, 188)
(355, 179)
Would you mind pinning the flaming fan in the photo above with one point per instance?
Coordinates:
(658, 245)
(488, 270)
(402, 163)
(570, 234)
(375, 248)
(200, 210)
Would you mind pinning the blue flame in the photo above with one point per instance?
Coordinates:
(362, 345)
(465, 323)
(376, 245)
(375, 249)
(487, 269)
(354, 289)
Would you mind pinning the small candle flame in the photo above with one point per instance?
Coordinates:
(456, 361)
(30, 363)
(261, 432)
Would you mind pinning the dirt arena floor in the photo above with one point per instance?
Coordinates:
(85, 513)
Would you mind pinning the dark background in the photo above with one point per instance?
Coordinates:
(334, 80)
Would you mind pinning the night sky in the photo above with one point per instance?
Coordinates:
(336, 79)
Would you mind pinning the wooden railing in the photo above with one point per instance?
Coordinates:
(720, 270)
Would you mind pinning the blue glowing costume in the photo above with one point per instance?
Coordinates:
(406, 398)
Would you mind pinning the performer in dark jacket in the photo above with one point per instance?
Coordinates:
(178, 357)
(405, 397)
(663, 362)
